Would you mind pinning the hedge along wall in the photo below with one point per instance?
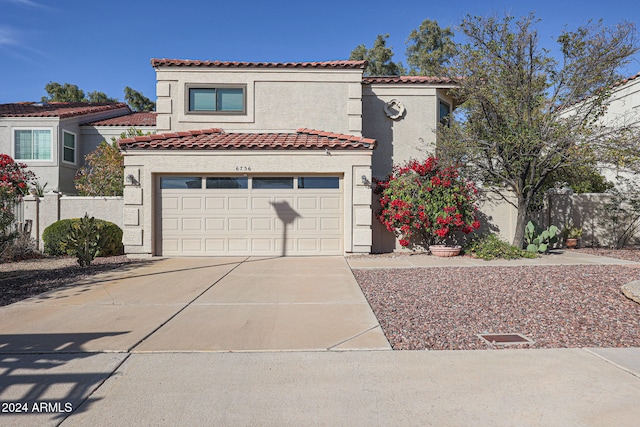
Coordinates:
(44, 211)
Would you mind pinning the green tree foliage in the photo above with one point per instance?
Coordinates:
(525, 114)
(102, 173)
(137, 101)
(63, 93)
(72, 93)
(430, 48)
(379, 58)
(96, 96)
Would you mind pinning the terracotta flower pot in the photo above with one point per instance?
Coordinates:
(571, 243)
(444, 250)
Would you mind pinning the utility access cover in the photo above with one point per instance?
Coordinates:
(505, 339)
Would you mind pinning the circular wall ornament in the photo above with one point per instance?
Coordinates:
(394, 109)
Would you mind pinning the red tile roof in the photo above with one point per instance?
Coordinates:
(407, 79)
(240, 64)
(216, 139)
(627, 80)
(58, 109)
(145, 118)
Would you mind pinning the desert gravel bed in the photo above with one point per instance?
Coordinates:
(24, 279)
(556, 306)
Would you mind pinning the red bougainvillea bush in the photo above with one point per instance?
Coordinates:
(424, 204)
(14, 183)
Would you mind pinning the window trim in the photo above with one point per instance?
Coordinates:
(187, 93)
(32, 128)
(75, 148)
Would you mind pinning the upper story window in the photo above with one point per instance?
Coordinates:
(32, 144)
(444, 112)
(69, 147)
(216, 99)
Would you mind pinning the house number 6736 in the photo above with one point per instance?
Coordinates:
(243, 168)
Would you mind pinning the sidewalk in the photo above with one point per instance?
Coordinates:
(556, 257)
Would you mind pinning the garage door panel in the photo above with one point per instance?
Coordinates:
(238, 245)
(191, 224)
(330, 203)
(169, 203)
(246, 221)
(171, 224)
(191, 203)
(238, 203)
(261, 224)
(330, 245)
(308, 245)
(191, 245)
(307, 224)
(215, 245)
(262, 245)
(330, 224)
(215, 203)
(263, 203)
(215, 224)
(238, 224)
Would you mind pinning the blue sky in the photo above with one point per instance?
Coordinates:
(107, 45)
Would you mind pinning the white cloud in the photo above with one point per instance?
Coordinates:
(7, 37)
(28, 3)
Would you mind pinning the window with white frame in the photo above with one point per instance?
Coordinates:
(32, 144)
(69, 147)
(216, 99)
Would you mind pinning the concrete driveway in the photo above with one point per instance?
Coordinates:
(200, 304)
(154, 345)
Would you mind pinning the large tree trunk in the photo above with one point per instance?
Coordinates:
(521, 222)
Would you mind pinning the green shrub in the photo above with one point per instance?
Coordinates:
(489, 246)
(56, 235)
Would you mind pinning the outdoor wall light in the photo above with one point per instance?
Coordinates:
(132, 179)
(365, 181)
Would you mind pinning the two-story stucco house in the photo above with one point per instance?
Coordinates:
(272, 158)
(53, 138)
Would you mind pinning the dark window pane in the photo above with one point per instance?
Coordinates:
(230, 99)
(239, 182)
(444, 112)
(202, 99)
(274, 183)
(188, 182)
(318, 182)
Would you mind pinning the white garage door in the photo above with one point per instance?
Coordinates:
(249, 215)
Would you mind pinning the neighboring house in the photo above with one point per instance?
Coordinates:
(52, 138)
(257, 158)
(94, 132)
(623, 110)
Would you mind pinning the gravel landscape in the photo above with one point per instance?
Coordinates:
(555, 306)
(24, 279)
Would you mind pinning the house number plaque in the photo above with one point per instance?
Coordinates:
(243, 168)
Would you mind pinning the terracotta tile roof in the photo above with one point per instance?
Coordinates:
(145, 118)
(627, 80)
(407, 79)
(240, 64)
(57, 109)
(216, 139)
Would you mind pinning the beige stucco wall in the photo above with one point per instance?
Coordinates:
(44, 211)
(92, 136)
(277, 100)
(411, 136)
(145, 166)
